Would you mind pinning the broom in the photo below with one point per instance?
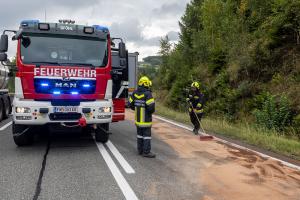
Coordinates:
(203, 136)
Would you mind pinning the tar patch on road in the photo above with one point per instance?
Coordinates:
(39, 182)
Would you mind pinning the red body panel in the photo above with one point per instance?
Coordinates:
(26, 73)
(119, 109)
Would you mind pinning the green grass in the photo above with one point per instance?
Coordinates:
(269, 140)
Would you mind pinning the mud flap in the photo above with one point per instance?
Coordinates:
(119, 109)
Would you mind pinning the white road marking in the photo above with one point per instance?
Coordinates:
(128, 169)
(231, 144)
(5, 126)
(121, 181)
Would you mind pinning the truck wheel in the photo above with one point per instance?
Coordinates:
(86, 130)
(21, 134)
(101, 133)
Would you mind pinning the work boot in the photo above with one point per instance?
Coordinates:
(149, 155)
(196, 131)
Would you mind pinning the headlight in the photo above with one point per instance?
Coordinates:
(105, 109)
(22, 110)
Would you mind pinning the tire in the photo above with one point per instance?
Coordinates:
(22, 135)
(101, 133)
(86, 130)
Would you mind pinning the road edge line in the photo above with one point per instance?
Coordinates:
(231, 144)
(120, 158)
(5, 126)
(121, 181)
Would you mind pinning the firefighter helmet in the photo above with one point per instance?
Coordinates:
(195, 85)
(144, 81)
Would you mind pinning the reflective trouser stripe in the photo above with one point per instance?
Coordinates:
(145, 138)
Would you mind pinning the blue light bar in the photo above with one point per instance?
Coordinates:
(86, 85)
(74, 93)
(29, 22)
(44, 84)
(101, 28)
(56, 92)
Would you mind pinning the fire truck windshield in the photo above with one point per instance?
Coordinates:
(49, 49)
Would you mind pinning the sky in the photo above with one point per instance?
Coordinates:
(140, 22)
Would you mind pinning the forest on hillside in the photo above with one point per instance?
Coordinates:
(245, 54)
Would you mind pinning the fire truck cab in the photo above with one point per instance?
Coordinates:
(65, 78)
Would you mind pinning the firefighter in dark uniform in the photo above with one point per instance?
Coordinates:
(195, 100)
(142, 102)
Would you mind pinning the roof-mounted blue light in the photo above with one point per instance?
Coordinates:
(101, 28)
(26, 23)
(44, 84)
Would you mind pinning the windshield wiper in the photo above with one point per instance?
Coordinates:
(80, 64)
(43, 62)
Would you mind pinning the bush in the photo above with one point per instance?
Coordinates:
(274, 114)
(177, 95)
(296, 124)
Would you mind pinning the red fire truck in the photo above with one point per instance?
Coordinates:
(65, 78)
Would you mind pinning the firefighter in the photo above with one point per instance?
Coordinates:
(142, 102)
(195, 100)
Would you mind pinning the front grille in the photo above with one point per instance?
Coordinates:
(64, 116)
(64, 102)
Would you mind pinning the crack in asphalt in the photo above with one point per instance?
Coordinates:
(39, 183)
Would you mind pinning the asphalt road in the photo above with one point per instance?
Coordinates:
(73, 166)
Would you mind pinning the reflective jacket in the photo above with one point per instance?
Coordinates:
(142, 102)
(197, 100)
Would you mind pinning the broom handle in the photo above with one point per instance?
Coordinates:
(197, 118)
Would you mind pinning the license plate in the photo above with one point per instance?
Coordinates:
(65, 109)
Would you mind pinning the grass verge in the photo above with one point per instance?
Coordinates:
(265, 139)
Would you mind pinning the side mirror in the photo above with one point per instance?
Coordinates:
(3, 57)
(4, 43)
(18, 35)
(122, 50)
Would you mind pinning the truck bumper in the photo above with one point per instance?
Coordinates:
(37, 117)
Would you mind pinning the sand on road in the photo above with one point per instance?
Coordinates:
(223, 172)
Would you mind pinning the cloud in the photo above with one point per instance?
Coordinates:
(131, 29)
(140, 23)
(169, 9)
(173, 35)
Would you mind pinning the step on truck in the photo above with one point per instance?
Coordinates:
(65, 78)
